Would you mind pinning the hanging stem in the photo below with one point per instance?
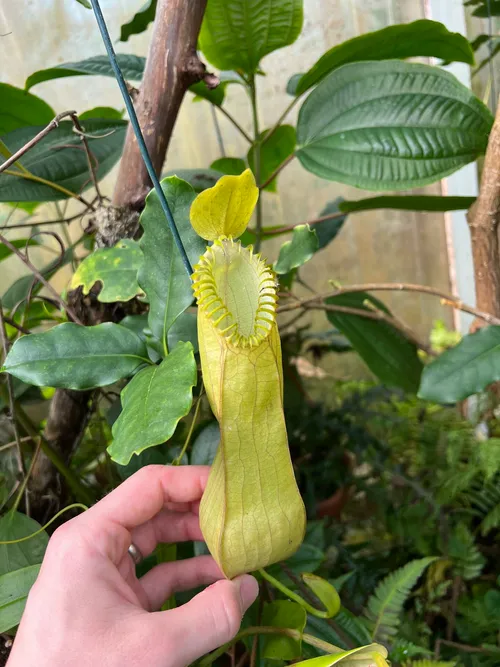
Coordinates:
(293, 596)
(178, 459)
(55, 186)
(326, 647)
(235, 123)
(256, 146)
(40, 530)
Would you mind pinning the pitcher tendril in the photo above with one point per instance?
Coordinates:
(251, 514)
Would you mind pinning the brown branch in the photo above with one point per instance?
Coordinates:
(466, 648)
(40, 277)
(15, 325)
(79, 130)
(277, 171)
(172, 66)
(483, 219)
(10, 391)
(447, 299)
(32, 142)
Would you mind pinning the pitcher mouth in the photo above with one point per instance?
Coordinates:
(236, 289)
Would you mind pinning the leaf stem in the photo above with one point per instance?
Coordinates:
(326, 647)
(281, 119)
(319, 613)
(232, 120)
(55, 186)
(277, 171)
(40, 530)
(256, 145)
(178, 459)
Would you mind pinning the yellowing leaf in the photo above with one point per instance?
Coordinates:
(373, 655)
(116, 268)
(251, 513)
(324, 591)
(225, 209)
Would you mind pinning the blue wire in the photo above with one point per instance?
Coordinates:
(138, 133)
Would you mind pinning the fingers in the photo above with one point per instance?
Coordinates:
(209, 620)
(144, 494)
(182, 575)
(166, 527)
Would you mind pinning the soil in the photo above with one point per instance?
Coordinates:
(5, 644)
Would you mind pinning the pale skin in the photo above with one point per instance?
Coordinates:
(88, 608)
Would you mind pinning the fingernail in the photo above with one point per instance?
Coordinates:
(249, 589)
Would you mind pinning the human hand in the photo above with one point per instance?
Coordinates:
(88, 609)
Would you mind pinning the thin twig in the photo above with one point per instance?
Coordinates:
(256, 155)
(40, 277)
(281, 119)
(236, 124)
(290, 228)
(13, 324)
(50, 184)
(83, 137)
(24, 486)
(178, 459)
(45, 222)
(466, 648)
(10, 390)
(448, 299)
(32, 142)
(277, 171)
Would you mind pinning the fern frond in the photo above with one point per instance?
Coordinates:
(463, 551)
(403, 650)
(429, 663)
(384, 607)
(491, 520)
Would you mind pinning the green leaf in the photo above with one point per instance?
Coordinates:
(198, 179)
(102, 112)
(327, 230)
(236, 34)
(231, 166)
(385, 606)
(428, 662)
(116, 268)
(214, 95)
(59, 158)
(273, 153)
(491, 8)
(19, 108)
(76, 357)
(132, 68)
(390, 125)
(14, 589)
(307, 558)
(389, 356)
(409, 203)
(298, 251)
(355, 657)
(420, 38)
(205, 445)
(350, 627)
(293, 82)
(162, 275)
(465, 369)
(18, 243)
(324, 591)
(153, 402)
(13, 526)
(139, 22)
(85, 3)
(184, 329)
(283, 614)
(463, 551)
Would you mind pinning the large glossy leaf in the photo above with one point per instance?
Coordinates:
(390, 356)
(153, 402)
(140, 21)
(385, 605)
(162, 275)
(19, 108)
(283, 614)
(198, 179)
(231, 166)
(465, 369)
(236, 34)
(273, 153)
(420, 38)
(76, 357)
(297, 251)
(13, 526)
(115, 268)
(390, 125)
(131, 66)
(59, 158)
(14, 589)
(485, 9)
(409, 203)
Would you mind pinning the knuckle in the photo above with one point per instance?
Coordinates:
(228, 615)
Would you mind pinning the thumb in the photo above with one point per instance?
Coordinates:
(210, 619)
